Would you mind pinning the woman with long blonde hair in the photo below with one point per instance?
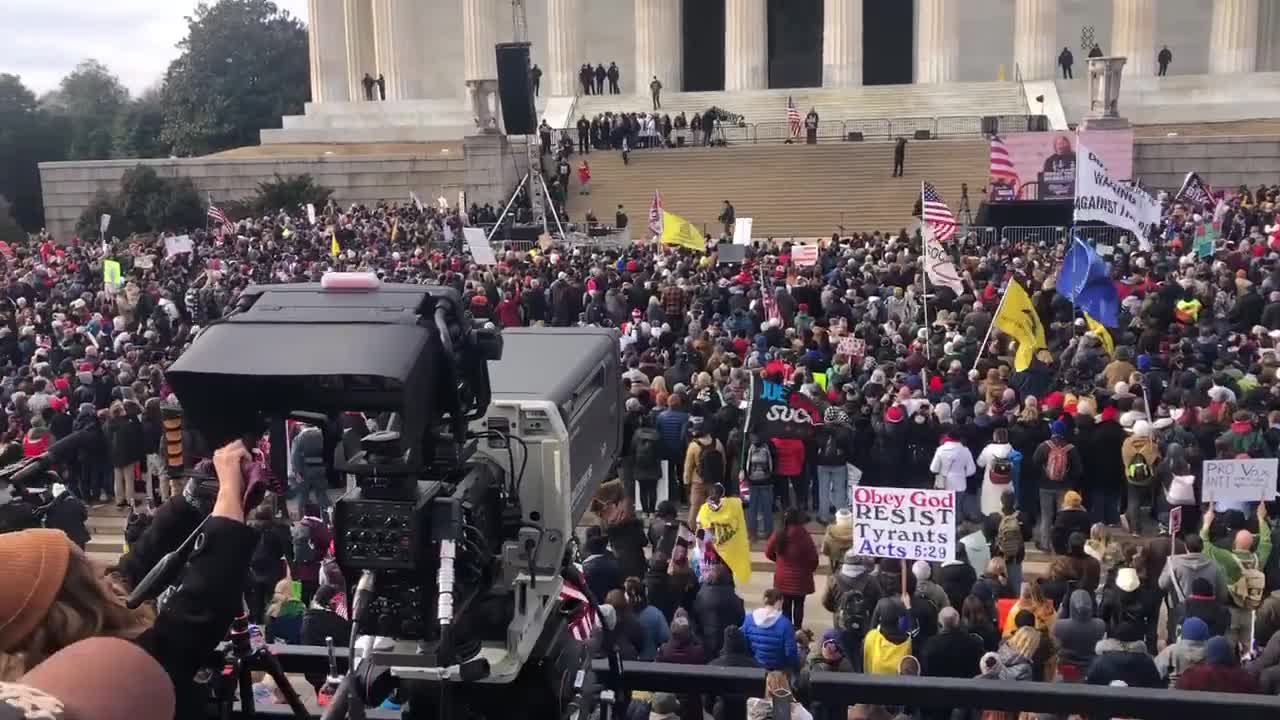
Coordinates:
(53, 595)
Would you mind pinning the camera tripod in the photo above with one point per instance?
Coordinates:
(235, 674)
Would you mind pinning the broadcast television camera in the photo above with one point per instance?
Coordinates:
(457, 534)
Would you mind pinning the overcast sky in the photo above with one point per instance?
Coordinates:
(44, 39)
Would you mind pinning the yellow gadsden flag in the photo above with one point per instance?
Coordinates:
(681, 233)
(1017, 318)
(1103, 334)
(334, 248)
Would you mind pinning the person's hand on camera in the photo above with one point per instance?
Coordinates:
(226, 464)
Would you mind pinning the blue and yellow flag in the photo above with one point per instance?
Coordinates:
(681, 233)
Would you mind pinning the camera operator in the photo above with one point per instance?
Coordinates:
(53, 595)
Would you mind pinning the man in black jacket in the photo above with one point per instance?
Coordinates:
(1065, 61)
(953, 652)
(717, 606)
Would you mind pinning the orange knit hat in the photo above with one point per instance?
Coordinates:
(36, 561)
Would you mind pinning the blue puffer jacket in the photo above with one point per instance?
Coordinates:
(772, 639)
(670, 426)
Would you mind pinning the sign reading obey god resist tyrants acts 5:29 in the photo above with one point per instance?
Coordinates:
(904, 524)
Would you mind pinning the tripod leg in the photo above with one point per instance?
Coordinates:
(245, 680)
(271, 664)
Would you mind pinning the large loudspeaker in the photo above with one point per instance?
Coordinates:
(515, 89)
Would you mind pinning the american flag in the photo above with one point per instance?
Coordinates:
(936, 213)
(793, 117)
(216, 214)
(1001, 163)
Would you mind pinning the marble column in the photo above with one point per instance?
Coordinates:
(938, 41)
(746, 44)
(1133, 36)
(327, 44)
(1268, 35)
(479, 36)
(841, 43)
(400, 29)
(659, 46)
(1233, 36)
(565, 49)
(361, 57)
(1035, 38)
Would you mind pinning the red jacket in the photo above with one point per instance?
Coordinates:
(790, 456)
(1217, 678)
(794, 566)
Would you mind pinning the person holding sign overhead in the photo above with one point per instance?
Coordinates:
(1241, 568)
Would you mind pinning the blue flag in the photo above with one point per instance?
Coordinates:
(1080, 267)
(1085, 280)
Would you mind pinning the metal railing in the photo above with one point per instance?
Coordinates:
(1039, 234)
(839, 689)
(871, 128)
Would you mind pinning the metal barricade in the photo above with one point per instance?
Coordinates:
(977, 237)
(1046, 235)
(872, 129)
(906, 127)
(953, 125)
(1101, 236)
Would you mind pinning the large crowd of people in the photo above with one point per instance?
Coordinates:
(1084, 455)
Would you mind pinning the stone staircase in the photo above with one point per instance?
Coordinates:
(862, 103)
(789, 190)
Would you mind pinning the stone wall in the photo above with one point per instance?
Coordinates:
(1224, 162)
(68, 186)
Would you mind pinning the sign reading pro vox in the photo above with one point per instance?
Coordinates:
(1240, 480)
(904, 524)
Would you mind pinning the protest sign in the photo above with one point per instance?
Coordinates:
(480, 250)
(852, 347)
(742, 231)
(779, 411)
(146, 262)
(177, 245)
(311, 213)
(804, 255)
(104, 222)
(904, 524)
(1207, 235)
(1240, 480)
(730, 254)
(1102, 198)
(111, 276)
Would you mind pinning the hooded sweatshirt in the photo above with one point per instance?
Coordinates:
(1186, 568)
(1174, 660)
(1077, 631)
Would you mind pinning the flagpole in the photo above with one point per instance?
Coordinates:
(990, 329)
(924, 284)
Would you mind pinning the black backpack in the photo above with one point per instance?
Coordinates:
(830, 446)
(644, 445)
(711, 464)
(853, 611)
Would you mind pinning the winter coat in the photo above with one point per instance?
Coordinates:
(1077, 632)
(1208, 677)
(1127, 661)
(195, 618)
(953, 653)
(716, 607)
(124, 441)
(772, 639)
(733, 653)
(628, 541)
(670, 426)
(957, 580)
(953, 462)
(1014, 665)
(1065, 523)
(1134, 446)
(837, 540)
(795, 564)
(789, 454)
(603, 574)
(1175, 659)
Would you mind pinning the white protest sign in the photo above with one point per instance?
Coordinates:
(852, 347)
(1099, 197)
(854, 475)
(146, 262)
(1239, 480)
(104, 222)
(804, 255)
(904, 524)
(480, 250)
(311, 213)
(742, 231)
(177, 245)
